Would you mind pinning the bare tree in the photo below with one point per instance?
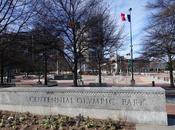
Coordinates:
(160, 40)
(45, 43)
(104, 38)
(70, 18)
(14, 16)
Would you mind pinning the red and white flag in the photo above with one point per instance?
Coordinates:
(123, 17)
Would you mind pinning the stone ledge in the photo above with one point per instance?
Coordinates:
(155, 90)
(133, 104)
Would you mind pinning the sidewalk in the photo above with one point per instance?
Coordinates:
(170, 109)
(147, 127)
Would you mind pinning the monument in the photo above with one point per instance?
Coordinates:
(138, 105)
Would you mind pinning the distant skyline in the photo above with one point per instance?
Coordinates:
(140, 17)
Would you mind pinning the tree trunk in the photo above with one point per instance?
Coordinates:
(75, 59)
(2, 67)
(75, 68)
(75, 75)
(8, 76)
(39, 76)
(45, 69)
(171, 78)
(171, 72)
(99, 73)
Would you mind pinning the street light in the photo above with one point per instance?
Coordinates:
(132, 67)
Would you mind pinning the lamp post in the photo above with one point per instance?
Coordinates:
(132, 67)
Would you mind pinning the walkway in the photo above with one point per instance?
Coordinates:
(146, 127)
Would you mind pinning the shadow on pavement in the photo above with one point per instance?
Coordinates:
(171, 120)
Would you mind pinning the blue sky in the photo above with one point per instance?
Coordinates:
(140, 17)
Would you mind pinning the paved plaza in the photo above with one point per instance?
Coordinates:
(142, 80)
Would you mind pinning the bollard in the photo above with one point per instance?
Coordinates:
(153, 83)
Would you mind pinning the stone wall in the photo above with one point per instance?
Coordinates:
(139, 105)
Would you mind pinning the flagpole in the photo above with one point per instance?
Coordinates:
(132, 65)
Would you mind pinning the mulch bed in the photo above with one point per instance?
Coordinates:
(27, 121)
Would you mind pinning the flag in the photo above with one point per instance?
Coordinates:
(129, 17)
(123, 17)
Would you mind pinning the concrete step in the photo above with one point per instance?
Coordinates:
(148, 127)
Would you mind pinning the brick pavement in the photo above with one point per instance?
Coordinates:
(170, 109)
(118, 81)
